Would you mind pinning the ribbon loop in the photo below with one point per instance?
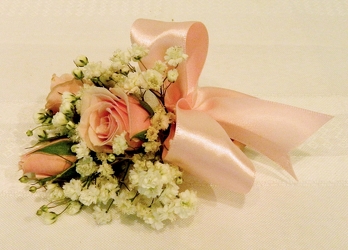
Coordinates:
(159, 36)
(202, 147)
(207, 118)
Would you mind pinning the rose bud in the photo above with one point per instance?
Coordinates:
(48, 159)
(65, 82)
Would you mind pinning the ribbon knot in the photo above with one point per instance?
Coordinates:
(208, 117)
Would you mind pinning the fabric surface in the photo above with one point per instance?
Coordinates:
(292, 52)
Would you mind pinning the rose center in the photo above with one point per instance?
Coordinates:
(103, 128)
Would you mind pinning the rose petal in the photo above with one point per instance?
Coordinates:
(55, 80)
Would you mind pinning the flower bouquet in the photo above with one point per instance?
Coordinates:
(116, 137)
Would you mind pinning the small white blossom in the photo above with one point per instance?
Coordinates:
(49, 217)
(43, 117)
(74, 207)
(68, 97)
(118, 78)
(81, 150)
(151, 146)
(164, 170)
(41, 133)
(111, 158)
(134, 82)
(104, 196)
(153, 78)
(143, 208)
(89, 196)
(67, 108)
(72, 189)
(133, 177)
(101, 216)
(119, 144)
(54, 192)
(39, 117)
(138, 51)
(105, 169)
(78, 106)
(59, 119)
(86, 166)
(174, 56)
(102, 156)
(165, 211)
(172, 75)
(81, 61)
(161, 67)
(169, 194)
(120, 56)
(120, 60)
(124, 202)
(120, 68)
(105, 78)
(107, 189)
(185, 205)
(152, 216)
(161, 119)
(152, 133)
(77, 73)
(71, 126)
(110, 184)
(150, 182)
(93, 70)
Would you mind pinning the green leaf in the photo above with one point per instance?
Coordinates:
(66, 176)
(141, 135)
(147, 107)
(62, 147)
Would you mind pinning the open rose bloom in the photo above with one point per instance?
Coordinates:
(107, 113)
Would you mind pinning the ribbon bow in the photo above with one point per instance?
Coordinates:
(208, 117)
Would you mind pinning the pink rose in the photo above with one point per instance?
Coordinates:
(107, 113)
(48, 159)
(65, 82)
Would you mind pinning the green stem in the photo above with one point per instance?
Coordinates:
(109, 205)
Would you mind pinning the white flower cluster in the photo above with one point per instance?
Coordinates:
(122, 73)
(76, 194)
(129, 182)
(154, 194)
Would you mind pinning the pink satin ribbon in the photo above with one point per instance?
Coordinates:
(208, 117)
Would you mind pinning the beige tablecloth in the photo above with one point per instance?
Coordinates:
(294, 52)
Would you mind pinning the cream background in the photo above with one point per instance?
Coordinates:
(294, 52)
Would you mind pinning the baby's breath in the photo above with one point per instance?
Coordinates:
(86, 166)
(119, 144)
(174, 56)
(137, 52)
(124, 179)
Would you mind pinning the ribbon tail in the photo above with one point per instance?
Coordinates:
(201, 147)
(272, 129)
